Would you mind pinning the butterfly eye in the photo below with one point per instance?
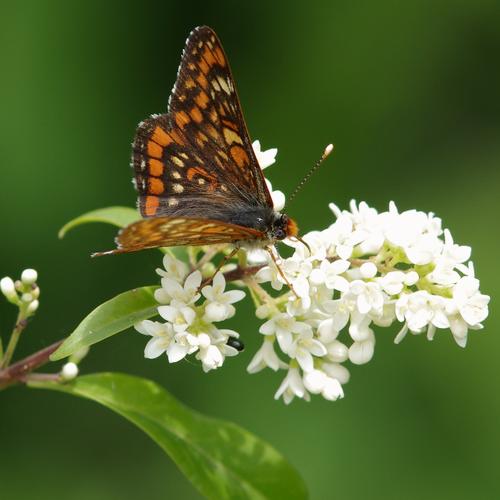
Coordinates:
(235, 343)
(279, 234)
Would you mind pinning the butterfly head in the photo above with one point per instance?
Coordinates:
(283, 227)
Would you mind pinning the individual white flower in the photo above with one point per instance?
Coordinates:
(292, 386)
(270, 274)
(453, 253)
(211, 357)
(342, 237)
(328, 273)
(472, 305)
(219, 303)
(393, 282)
(416, 232)
(467, 309)
(369, 226)
(369, 297)
(173, 268)
(362, 352)
(318, 382)
(340, 311)
(304, 347)
(162, 335)
(177, 313)
(419, 309)
(315, 250)
(186, 293)
(359, 328)
(443, 274)
(266, 357)
(209, 354)
(284, 326)
(265, 158)
(298, 272)
(277, 196)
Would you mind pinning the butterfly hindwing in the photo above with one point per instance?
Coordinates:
(198, 158)
(177, 231)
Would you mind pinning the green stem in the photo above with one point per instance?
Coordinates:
(14, 338)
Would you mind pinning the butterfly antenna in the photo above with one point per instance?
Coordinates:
(325, 154)
(280, 271)
(298, 238)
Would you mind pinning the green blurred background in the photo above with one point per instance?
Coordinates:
(410, 94)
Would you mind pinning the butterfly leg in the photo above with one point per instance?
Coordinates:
(280, 271)
(222, 263)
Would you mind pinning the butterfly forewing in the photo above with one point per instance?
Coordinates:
(197, 160)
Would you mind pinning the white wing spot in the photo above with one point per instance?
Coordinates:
(177, 161)
(224, 85)
(178, 188)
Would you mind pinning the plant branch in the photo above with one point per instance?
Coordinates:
(242, 272)
(18, 371)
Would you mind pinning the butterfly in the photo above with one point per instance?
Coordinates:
(198, 179)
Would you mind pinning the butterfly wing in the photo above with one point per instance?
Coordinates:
(177, 231)
(197, 160)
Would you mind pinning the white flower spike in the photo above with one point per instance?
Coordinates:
(365, 270)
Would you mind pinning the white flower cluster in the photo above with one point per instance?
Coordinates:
(189, 326)
(365, 269)
(23, 293)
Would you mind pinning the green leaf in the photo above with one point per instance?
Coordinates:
(117, 216)
(222, 460)
(113, 316)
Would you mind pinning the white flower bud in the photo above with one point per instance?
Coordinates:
(314, 381)
(29, 276)
(337, 371)
(27, 297)
(361, 352)
(8, 288)
(332, 390)
(32, 307)
(337, 351)
(368, 270)
(69, 371)
(411, 278)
